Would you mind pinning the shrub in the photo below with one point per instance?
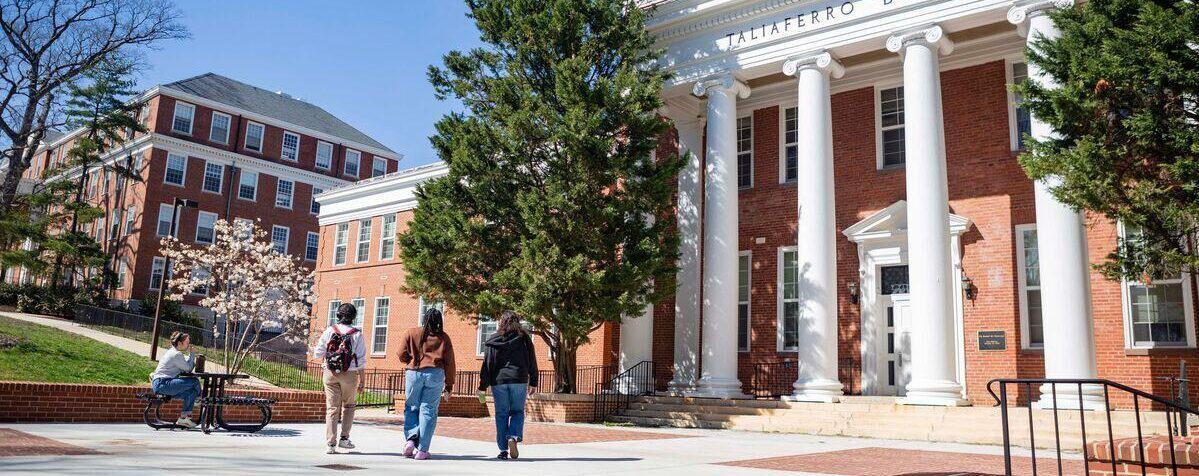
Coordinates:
(172, 311)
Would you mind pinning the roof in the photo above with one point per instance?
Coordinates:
(217, 88)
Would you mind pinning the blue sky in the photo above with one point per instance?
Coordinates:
(363, 61)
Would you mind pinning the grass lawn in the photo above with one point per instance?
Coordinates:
(34, 352)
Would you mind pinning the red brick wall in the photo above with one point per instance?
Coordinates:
(538, 407)
(25, 402)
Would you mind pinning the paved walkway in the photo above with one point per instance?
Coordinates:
(132, 345)
(465, 446)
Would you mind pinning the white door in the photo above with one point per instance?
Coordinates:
(894, 346)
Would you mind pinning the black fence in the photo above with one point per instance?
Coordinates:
(617, 393)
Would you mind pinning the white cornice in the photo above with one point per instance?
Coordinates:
(390, 193)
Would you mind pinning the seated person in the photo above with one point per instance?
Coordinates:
(166, 381)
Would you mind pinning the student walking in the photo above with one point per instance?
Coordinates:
(509, 368)
(344, 351)
(166, 380)
(429, 379)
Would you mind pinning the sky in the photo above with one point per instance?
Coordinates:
(363, 61)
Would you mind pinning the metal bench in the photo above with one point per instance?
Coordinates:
(220, 402)
(154, 403)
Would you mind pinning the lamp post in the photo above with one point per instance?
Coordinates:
(162, 282)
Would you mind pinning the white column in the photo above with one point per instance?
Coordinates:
(686, 296)
(817, 231)
(720, 251)
(636, 346)
(1062, 251)
(934, 367)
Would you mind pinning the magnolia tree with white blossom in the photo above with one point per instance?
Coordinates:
(246, 282)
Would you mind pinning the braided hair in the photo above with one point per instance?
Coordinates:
(433, 324)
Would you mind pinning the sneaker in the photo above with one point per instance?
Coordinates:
(186, 423)
(513, 451)
(345, 443)
(332, 450)
(422, 455)
(410, 450)
(502, 455)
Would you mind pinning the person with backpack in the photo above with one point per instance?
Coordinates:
(166, 380)
(509, 368)
(428, 379)
(344, 352)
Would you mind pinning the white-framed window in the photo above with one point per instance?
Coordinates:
(156, 268)
(487, 328)
(1028, 280)
(182, 121)
(387, 241)
(290, 149)
(166, 215)
(789, 165)
(117, 219)
(284, 193)
(122, 274)
(279, 237)
(315, 207)
(333, 305)
(214, 174)
(219, 132)
(324, 155)
(100, 230)
(1157, 314)
(312, 246)
(351, 166)
(1020, 120)
(744, 261)
(379, 330)
(425, 305)
(378, 167)
(341, 240)
(176, 169)
(247, 185)
(130, 219)
(199, 275)
(890, 130)
(364, 241)
(360, 306)
(788, 300)
(254, 133)
(205, 228)
(745, 152)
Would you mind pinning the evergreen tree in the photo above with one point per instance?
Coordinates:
(1126, 113)
(554, 205)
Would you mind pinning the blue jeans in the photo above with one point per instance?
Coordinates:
(185, 389)
(509, 412)
(422, 396)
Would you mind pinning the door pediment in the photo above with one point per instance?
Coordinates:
(892, 223)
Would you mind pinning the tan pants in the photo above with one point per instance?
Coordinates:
(340, 392)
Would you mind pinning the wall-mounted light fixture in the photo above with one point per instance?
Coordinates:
(968, 287)
(853, 291)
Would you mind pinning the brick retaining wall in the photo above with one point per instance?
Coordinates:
(24, 402)
(539, 407)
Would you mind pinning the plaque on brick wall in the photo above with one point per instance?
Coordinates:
(992, 340)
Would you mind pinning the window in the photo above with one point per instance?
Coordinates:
(745, 152)
(893, 280)
(378, 167)
(198, 276)
(279, 236)
(247, 185)
(1157, 314)
(284, 193)
(122, 274)
(340, 241)
(130, 219)
(176, 169)
(182, 121)
(1020, 113)
(213, 175)
(312, 246)
(254, 132)
(790, 144)
(360, 306)
(116, 224)
(364, 240)
(487, 328)
(387, 244)
(315, 207)
(743, 300)
(324, 155)
(891, 142)
(219, 132)
(333, 305)
(100, 230)
(156, 272)
(788, 299)
(379, 335)
(351, 167)
(205, 224)
(1028, 269)
(166, 216)
(425, 305)
(290, 150)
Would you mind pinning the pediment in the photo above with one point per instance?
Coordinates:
(892, 223)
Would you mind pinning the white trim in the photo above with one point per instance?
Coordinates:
(220, 181)
(191, 117)
(171, 216)
(375, 161)
(312, 203)
(283, 144)
(341, 230)
(357, 163)
(332, 311)
(291, 197)
(244, 162)
(307, 239)
(369, 225)
(749, 328)
(261, 137)
(1126, 309)
(375, 326)
(878, 125)
(479, 332)
(166, 171)
(1022, 289)
(200, 219)
(737, 146)
(1009, 63)
(780, 340)
(287, 239)
(317, 161)
(383, 237)
(391, 193)
(360, 305)
(228, 127)
(783, 143)
(241, 176)
(158, 262)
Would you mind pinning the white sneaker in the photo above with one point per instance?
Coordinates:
(345, 443)
(332, 450)
(186, 423)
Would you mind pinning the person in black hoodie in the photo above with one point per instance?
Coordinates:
(509, 368)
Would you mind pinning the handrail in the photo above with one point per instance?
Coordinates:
(642, 374)
(1091, 381)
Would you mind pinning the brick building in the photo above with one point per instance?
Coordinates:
(882, 239)
(240, 151)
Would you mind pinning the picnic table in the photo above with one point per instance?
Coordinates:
(212, 401)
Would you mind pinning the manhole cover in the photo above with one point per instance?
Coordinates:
(340, 467)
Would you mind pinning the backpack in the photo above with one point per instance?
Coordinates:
(339, 353)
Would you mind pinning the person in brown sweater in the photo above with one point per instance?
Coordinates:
(429, 379)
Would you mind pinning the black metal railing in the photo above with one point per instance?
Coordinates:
(772, 379)
(618, 392)
(1093, 386)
